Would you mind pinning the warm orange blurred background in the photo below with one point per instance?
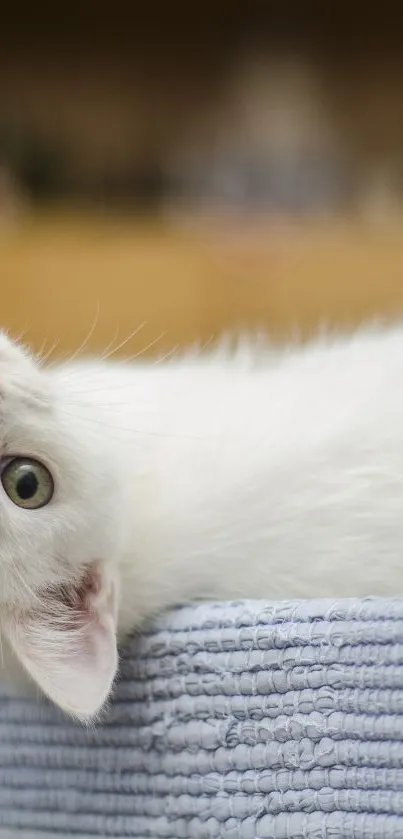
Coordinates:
(171, 177)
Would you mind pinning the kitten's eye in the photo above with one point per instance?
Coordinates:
(27, 483)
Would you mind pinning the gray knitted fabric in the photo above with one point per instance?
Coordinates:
(237, 720)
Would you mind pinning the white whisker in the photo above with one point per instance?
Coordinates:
(30, 591)
(167, 356)
(124, 342)
(88, 337)
(44, 357)
(146, 348)
(109, 347)
(20, 336)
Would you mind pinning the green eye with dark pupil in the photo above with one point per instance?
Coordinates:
(27, 483)
(27, 486)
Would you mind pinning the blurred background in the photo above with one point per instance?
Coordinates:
(169, 172)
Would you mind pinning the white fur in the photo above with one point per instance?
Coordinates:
(258, 473)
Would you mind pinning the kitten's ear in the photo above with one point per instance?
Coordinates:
(68, 646)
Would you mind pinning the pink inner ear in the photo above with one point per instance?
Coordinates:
(68, 644)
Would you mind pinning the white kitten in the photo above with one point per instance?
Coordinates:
(127, 488)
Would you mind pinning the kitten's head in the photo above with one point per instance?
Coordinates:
(58, 589)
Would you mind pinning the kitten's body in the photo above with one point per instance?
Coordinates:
(269, 474)
(276, 477)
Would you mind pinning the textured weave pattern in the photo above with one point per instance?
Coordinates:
(239, 720)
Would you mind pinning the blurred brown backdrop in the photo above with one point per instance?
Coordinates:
(177, 175)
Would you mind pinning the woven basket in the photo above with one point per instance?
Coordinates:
(239, 720)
